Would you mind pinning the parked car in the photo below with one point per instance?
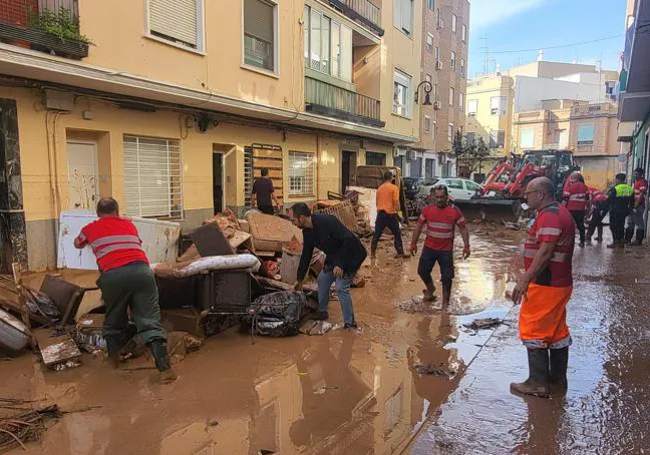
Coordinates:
(459, 188)
(411, 186)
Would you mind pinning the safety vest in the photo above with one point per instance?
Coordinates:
(624, 190)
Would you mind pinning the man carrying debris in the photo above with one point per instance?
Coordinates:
(264, 193)
(387, 208)
(576, 196)
(344, 255)
(621, 203)
(440, 221)
(127, 284)
(544, 291)
(599, 208)
(636, 218)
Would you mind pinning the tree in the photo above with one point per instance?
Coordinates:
(470, 153)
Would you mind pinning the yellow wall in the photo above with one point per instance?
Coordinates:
(483, 90)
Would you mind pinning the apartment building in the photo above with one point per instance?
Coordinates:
(587, 129)
(445, 37)
(174, 107)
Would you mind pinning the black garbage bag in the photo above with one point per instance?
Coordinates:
(276, 314)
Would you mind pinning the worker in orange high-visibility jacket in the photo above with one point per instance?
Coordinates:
(544, 291)
(576, 197)
(127, 284)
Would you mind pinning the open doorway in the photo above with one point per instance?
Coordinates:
(348, 169)
(217, 181)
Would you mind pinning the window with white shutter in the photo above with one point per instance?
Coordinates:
(152, 177)
(260, 32)
(177, 21)
(403, 15)
(301, 174)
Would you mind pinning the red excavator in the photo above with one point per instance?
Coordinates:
(504, 189)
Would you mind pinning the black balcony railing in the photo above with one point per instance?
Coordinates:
(362, 11)
(327, 99)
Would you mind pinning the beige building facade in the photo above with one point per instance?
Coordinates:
(175, 107)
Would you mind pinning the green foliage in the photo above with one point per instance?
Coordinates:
(62, 23)
(470, 154)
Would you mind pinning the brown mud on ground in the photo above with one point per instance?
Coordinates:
(340, 393)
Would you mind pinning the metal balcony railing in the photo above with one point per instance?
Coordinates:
(362, 11)
(327, 99)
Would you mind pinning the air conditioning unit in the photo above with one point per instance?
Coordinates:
(439, 65)
(437, 105)
(410, 155)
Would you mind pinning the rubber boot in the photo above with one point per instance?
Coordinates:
(559, 363)
(639, 238)
(114, 349)
(629, 233)
(161, 358)
(537, 383)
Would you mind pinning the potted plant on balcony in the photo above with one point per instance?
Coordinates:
(60, 33)
(51, 31)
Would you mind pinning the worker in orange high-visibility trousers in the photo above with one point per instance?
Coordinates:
(544, 291)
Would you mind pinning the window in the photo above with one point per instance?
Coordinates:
(435, 92)
(375, 159)
(403, 16)
(586, 134)
(438, 19)
(472, 107)
(453, 61)
(260, 28)
(462, 68)
(454, 20)
(179, 22)
(433, 132)
(328, 45)
(470, 137)
(427, 123)
(463, 33)
(454, 184)
(527, 138)
(451, 96)
(450, 132)
(429, 43)
(471, 186)
(401, 93)
(461, 101)
(498, 105)
(301, 174)
(152, 177)
(497, 138)
(430, 4)
(437, 54)
(429, 166)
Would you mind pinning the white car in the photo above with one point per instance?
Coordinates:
(459, 189)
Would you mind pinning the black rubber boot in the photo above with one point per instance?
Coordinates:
(114, 348)
(629, 233)
(537, 383)
(559, 363)
(161, 358)
(639, 237)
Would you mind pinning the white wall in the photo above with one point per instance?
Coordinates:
(530, 91)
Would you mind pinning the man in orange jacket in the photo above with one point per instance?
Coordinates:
(387, 208)
(544, 291)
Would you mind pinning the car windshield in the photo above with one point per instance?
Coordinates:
(429, 182)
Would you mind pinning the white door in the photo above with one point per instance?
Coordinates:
(82, 175)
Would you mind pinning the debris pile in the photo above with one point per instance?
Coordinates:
(27, 426)
(484, 323)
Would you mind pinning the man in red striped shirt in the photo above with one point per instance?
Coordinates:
(127, 283)
(439, 221)
(576, 196)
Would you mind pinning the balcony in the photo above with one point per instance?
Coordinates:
(53, 29)
(361, 11)
(332, 101)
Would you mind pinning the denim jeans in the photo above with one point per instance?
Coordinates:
(343, 285)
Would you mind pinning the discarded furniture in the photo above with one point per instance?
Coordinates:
(14, 335)
(67, 296)
(271, 233)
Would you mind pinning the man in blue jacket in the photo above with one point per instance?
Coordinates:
(344, 255)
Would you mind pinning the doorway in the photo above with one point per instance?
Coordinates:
(217, 182)
(82, 175)
(348, 170)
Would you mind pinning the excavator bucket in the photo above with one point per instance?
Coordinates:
(491, 209)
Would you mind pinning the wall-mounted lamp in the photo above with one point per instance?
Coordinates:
(427, 90)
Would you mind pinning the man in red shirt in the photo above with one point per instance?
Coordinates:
(599, 208)
(636, 218)
(440, 221)
(127, 283)
(545, 289)
(576, 197)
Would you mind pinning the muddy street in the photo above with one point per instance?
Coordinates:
(410, 382)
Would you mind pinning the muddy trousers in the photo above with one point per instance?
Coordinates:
(428, 260)
(635, 220)
(391, 221)
(579, 218)
(131, 288)
(596, 223)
